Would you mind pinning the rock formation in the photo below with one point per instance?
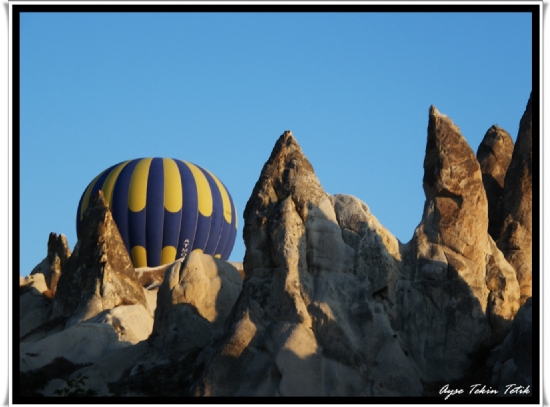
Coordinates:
(326, 303)
(99, 275)
(457, 295)
(455, 213)
(329, 289)
(98, 309)
(195, 300)
(494, 155)
(515, 239)
(304, 307)
(34, 303)
(81, 343)
(55, 261)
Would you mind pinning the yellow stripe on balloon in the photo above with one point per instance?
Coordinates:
(139, 256)
(137, 195)
(168, 255)
(85, 200)
(225, 198)
(172, 186)
(204, 195)
(109, 183)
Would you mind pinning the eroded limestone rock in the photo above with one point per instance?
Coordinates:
(494, 155)
(460, 296)
(308, 301)
(132, 323)
(195, 300)
(99, 275)
(81, 343)
(35, 303)
(54, 262)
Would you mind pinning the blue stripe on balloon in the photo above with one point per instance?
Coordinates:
(136, 229)
(225, 231)
(203, 230)
(154, 210)
(136, 222)
(203, 226)
(172, 222)
(171, 229)
(119, 206)
(189, 211)
(217, 215)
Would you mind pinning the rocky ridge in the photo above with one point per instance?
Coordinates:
(327, 301)
(494, 155)
(516, 231)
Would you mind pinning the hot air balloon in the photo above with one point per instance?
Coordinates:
(164, 208)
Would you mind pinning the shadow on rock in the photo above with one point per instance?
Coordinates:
(330, 292)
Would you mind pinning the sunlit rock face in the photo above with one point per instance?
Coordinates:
(307, 303)
(494, 155)
(194, 301)
(459, 295)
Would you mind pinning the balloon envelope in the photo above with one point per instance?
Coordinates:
(164, 208)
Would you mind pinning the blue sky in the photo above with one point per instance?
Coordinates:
(218, 89)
